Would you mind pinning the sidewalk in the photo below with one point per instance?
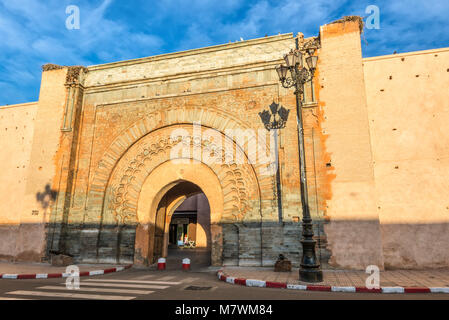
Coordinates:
(423, 279)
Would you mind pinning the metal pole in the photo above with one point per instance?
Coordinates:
(310, 268)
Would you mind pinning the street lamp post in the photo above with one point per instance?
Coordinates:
(300, 74)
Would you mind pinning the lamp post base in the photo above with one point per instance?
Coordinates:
(310, 275)
(309, 270)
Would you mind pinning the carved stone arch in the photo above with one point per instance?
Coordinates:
(166, 205)
(161, 182)
(210, 117)
(240, 186)
(239, 183)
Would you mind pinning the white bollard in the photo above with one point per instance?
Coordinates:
(186, 264)
(161, 263)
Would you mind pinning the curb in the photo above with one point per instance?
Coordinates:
(269, 284)
(63, 275)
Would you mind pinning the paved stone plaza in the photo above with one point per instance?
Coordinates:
(344, 278)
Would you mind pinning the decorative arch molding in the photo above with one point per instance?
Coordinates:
(113, 197)
(210, 118)
(166, 177)
(241, 192)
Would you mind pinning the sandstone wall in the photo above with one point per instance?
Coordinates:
(41, 189)
(353, 230)
(408, 110)
(16, 138)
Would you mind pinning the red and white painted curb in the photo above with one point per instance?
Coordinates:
(269, 284)
(62, 275)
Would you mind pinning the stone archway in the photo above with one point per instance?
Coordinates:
(165, 209)
(163, 182)
(132, 192)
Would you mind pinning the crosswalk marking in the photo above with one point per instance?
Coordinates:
(135, 281)
(120, 285)
(109, 290)
(113, 289)
(69, 295)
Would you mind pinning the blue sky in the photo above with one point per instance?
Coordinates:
(33, 33)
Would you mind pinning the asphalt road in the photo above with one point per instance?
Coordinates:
(138, 284)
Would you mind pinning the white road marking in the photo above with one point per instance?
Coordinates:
(189, 280)
(68, 295)
(109, 290)
(118, 285)
(135, 281)
(7, 298)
